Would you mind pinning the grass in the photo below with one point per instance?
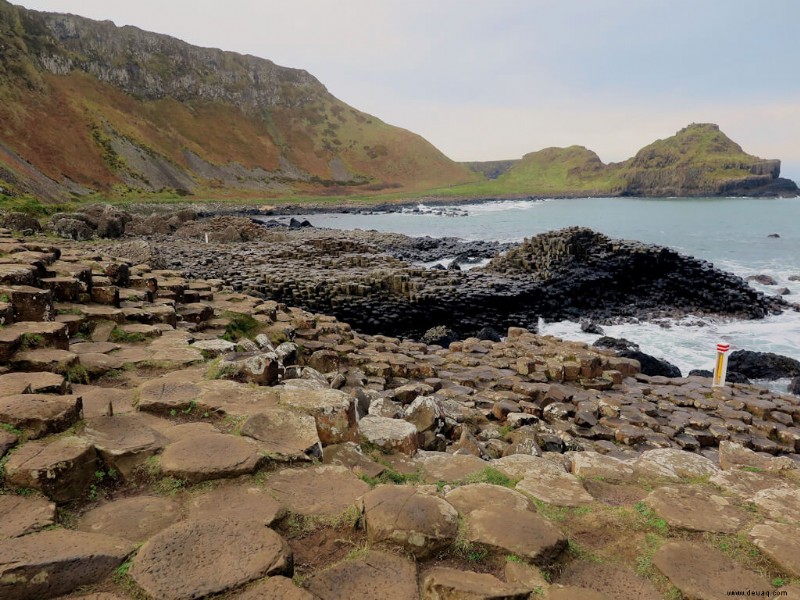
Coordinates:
(297, 525)
(29, 341)
(77, 373)
(464, 548)
(120, 336)
(392, 476)
(492, 476)
(216, 370)
(240, 326)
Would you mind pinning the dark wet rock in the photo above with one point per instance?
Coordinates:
(488, 334)
(730, 376)
(763, 365)
(794, 386)
(440, 336)
(763, 279)
(650, 364)
(591, 327)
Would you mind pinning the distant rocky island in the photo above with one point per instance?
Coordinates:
(91, 110)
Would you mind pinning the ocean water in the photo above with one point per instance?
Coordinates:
(732, 233)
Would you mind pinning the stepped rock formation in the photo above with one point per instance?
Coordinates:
(87, 106)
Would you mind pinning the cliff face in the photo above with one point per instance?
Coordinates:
(90, 107)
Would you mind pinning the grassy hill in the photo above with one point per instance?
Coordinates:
(88, 108)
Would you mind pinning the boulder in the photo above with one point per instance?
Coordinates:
(261, 368)
(763, 365)
(762, 278)
(333, 410)
(439, 336)
(51, 563)
(650, 365)
(390, 435)
(418, 523)
(284, 435)
(194, 559)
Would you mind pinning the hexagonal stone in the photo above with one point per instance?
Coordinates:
(613, 580)
(595, 465)
(572, 592)
(442, 582)
(124, 442)
(169, 393)
(52, 563)
(477, 496)
(284, 435)
(351, 456)
(519, 466)
(45, 359)
(420, 524)
(779, 503)
(240, 502)
(96, 400)
(275, 588)
(325, 491)
(333, 410)
(670, 463)
(704, 573)
(41, 414)
(61, 470)
(197, 458)
(696, 509)
(24, 514)
(390, 435)
(33, 383)
(781, 542)
(562, 489)
(135, 519)
(377, 575)
(744, 484)
(194, 559)
(450, 467)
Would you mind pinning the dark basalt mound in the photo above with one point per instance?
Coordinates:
(650, 364)
(568, 274)
(730, 376)
(763, 365)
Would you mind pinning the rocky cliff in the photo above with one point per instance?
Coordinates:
(91, 107)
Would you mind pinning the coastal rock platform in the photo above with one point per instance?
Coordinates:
(526, 467)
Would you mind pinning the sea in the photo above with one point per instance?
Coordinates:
(745, 236)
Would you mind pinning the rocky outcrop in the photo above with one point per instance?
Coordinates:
(763, 365)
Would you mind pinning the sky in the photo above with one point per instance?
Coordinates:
(495, 79)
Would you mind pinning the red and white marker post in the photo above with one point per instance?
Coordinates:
(721, 369)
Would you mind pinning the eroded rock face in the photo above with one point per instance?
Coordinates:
(197, 558)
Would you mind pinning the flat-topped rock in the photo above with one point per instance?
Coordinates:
(325, 491)
(595, 465)
(350, 455)
(333, 410)
(612, 580)
(52, 563)
(135, 519)
(704, 573)
(176, 391)
(45, 359)
(477, 496)
(572, 592)
(241, 502)
(33, 383)
(669, 463)
(779, 503)
(96, 400)
(61, 470)
(284, 435)
(206, 456)
(93, 348)
(696, 509)
(519, 466)
(746, 484)
(24, 514)
(275, 588)
(124, 441)
(97, 365)
(390, 435)
(442, 582)
(41, 414)
(418, 523)
(450, 467)
(781, 543)
(563, 489)
(194, 559)
(378, 575)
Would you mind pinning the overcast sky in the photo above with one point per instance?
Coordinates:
(494, 79)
